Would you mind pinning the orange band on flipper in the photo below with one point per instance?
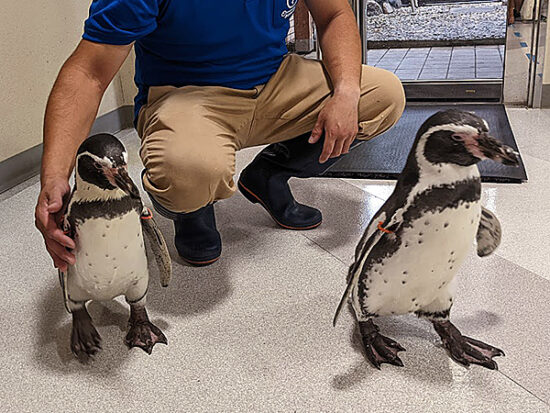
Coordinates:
(147, 216)
(381, 228)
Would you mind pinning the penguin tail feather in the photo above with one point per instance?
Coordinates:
(343, 301)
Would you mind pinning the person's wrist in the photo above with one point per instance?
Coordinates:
(348, 90)
(53, 178)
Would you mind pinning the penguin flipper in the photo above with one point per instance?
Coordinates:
(352, 278)
(158, 246)
(365, 238)
(63, 283)
(489, 233)
(343, 300)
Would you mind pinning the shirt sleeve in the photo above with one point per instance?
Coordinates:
(120, 21)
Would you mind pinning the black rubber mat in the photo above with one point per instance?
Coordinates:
(384, 157)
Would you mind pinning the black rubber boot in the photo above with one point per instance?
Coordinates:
(197, 239)
(265, 180)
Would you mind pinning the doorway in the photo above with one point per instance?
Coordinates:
(442, 50)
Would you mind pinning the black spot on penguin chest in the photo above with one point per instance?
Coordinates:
(435, 199)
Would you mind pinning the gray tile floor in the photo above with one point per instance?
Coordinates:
(438, 63)
(253, 331)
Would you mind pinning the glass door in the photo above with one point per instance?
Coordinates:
(443, 50)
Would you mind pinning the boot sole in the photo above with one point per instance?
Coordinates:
(255, 199)
(200, 263)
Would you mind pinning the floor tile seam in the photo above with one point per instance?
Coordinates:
(449, 64)
(511, 261)
(401, 61)
(323, 249)
(306, 236)
(547, 403)
(364, 190)
(424, 64)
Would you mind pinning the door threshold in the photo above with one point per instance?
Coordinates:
(489, 90)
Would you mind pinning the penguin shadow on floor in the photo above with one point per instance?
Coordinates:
(52, 349)
(192, 290)
(425, 358)
(421, 359)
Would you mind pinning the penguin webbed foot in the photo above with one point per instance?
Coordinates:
(142, 333)
(378, 348)
(466, 350)
(85, 340)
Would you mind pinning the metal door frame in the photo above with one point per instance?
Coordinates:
(535, 96)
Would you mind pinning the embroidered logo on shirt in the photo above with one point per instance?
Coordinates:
(291, 5)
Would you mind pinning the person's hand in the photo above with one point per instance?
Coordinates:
(50, 202)
(339, 121)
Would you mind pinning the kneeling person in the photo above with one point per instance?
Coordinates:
(213, 81)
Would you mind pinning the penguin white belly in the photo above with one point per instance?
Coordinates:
(424, 266)
(110, 257)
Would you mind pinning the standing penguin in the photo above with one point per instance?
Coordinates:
(105, 217)
(410, 252)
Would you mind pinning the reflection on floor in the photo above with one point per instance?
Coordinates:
(438, 63)
(253, 331)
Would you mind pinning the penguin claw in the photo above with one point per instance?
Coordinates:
(378, 352)
(486, 349)
(85, 340)
(397, 362)
(379, 349)
(145, 335)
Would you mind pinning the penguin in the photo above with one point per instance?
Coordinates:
(105, 216)
(410, 252)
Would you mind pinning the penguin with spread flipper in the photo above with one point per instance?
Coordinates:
(408, 257)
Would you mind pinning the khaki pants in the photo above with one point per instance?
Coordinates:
(190, 134)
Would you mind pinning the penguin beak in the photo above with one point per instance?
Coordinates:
(491, 148)
(123, 181)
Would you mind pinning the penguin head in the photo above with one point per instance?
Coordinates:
(102, 161)
(462, 138)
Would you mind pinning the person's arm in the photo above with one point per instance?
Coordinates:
(70, 113)
(341, 44)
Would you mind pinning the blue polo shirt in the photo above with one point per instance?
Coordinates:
(232, 43)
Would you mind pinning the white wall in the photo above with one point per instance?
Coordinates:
(36, 38)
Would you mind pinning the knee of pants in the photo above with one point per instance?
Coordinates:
(382, 99)
(393, 89)
(186, 183)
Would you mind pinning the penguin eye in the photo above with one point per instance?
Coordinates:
(97, 165)
(456, 138)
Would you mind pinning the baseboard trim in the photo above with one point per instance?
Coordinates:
(545, 100)
(20, 167)
(26, 164)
